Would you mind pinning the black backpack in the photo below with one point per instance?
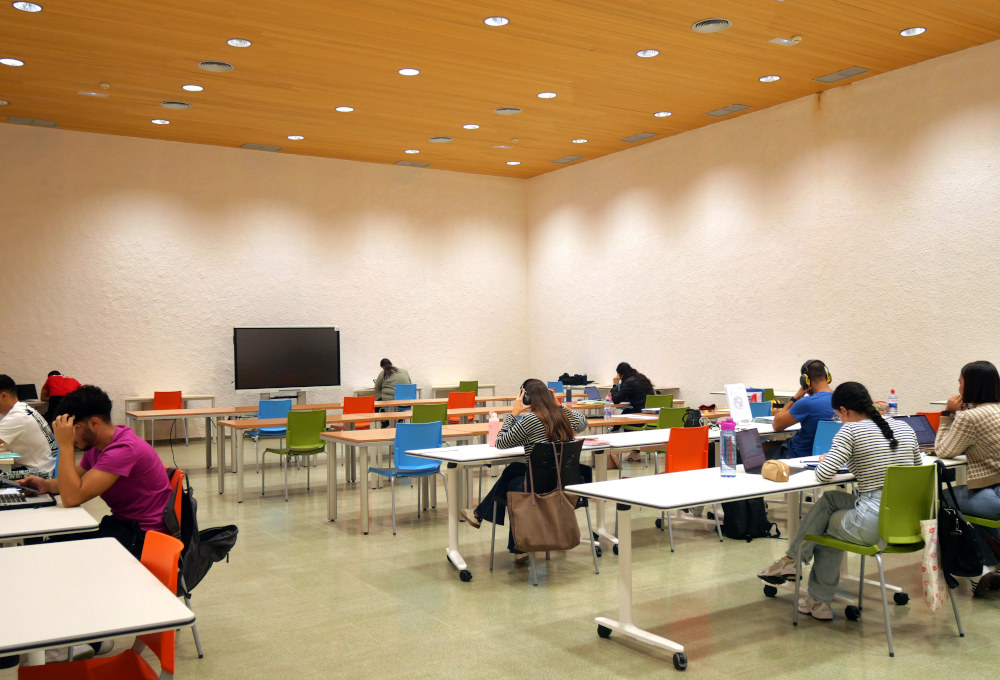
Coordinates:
(747, 520)
(692, 418)
(963, 548)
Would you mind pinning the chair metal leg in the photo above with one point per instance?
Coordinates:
(954, 608)
(798, 585)
(307, 472)
(861, 584)
(590, 538)
(533, 571)
(885, 602)
(493, 535)
(420, 483)
(263, 461)
(670, 529)
(392, 492)
(194, 626)
(284, 464)
(718, 527)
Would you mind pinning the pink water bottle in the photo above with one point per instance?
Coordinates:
(727, 447)
(494, 430)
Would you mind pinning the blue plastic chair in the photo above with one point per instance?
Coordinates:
(270, 408)
(405, 392)
(825, 429)
(761, 409)
(557, 386)
(411, 436)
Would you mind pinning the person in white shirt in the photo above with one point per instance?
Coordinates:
(24, 430)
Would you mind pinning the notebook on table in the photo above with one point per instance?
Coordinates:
(15, 496)
(922, 428)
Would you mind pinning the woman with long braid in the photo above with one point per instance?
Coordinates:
(867, 444)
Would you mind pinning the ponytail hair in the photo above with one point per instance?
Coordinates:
(854, 397)
(387, 368)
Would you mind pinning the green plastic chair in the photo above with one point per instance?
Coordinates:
(907, 498)
(468, 386)
(429, 413)
(768, 394)
(302, 440)
(659, 401)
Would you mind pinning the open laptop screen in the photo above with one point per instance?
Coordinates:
(27, 392)
(921, 427)
(751, 451)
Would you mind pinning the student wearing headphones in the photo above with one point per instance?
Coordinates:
(809, 405)
(536, 417)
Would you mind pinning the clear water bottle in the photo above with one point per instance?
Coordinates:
(727, 447)
(494, 429)
(893, 403)
(608, 407)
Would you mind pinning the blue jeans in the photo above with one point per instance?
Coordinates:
(983, 503)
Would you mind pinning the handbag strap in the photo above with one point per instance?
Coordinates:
(943, 479)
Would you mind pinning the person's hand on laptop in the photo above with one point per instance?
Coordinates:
(43, 485)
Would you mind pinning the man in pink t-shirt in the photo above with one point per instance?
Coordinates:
(117, 465)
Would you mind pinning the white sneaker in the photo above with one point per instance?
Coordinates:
(783, 569)
(821, 611)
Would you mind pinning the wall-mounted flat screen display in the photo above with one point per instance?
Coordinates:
(283, 358)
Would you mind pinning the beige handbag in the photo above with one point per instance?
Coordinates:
(544, 521)
(775, 470)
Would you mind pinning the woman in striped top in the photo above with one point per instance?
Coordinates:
(867, 444)
(536, 417)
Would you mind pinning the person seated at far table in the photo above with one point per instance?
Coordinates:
(867, 444)
(55, 388)
(117, 465)
(385, 383)
(970, 425)
(23, 430)
(809, 405)
(631, 387)
(536, 417)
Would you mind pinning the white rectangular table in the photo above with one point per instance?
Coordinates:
(94, 590)
(16, 525)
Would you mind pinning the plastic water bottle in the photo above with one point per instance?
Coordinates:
(727, 447)
(494, 430)
(893, 403)
(608, 407)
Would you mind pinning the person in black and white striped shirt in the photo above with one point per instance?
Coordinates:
(536, 417)
(867, 444)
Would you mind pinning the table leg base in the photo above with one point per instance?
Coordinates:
(636, 633)
(459, 563)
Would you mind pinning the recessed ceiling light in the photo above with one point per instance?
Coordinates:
(411, 151)
(580, 141)
(647, 53)
(501, 146)
(27, 6)
(663, 114)
(344, 109)
(295, 138)
(471, 126)
(787, 42)
(85, 93)
(239, 42)
(7, 61)
(496, 21)
(409, 71)
(547, 95)
(513, 162)
(910, 32)
(769, 79)
(192, 88)
(160, 121)
(4, 102)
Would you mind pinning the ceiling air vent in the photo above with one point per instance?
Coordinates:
(440, 140)
(507, 110)
(261, 147)
(177, 106)
(726, 110)
(215, 66)
(711, 25)
(31, 121)
(413, 164)
(843, 73)
(567, 159)
(638, 137)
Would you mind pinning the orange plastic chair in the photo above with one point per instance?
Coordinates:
(358, 405)
(933, 417)
(460, 400)
(687, 449)
(163, 401)
(160, 554)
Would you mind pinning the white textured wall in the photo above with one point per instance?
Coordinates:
(860, 227)
(128, 262)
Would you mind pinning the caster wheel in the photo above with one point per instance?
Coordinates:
(465, 575)
(680, 661)
(603, 631)
(599, 552)
(900, 598)
(614, 548)
(658, 523)
(770, 591)
(852, 613)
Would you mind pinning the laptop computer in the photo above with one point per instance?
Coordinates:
(922, 428)
(592, 392)
(27, 392)
(750, 450)
(15, 496)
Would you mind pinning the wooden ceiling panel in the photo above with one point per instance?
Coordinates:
(314, 55)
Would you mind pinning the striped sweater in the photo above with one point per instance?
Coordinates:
(865, 451)
(976, 433)
(528, 430)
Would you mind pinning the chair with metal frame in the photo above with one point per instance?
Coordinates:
(302, 440)
(468, 386)
(168, 401)
(410, 436)
(270, 408)
(460, 400)
(687, 449)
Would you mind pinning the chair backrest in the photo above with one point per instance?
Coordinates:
(161, 555)
(273, 408)
(558, 386)
(429, 413)
(825, 429)
(687, 449)
(671, 417)
(167, 400)
(468, 386)
(659, 401)
(768, 394)
(405, 391)
(907, 498)
(359, 404)
(177, 491)
(933, 417)
(543, 465)
(411, 436)
(461, 400)
(761, 409)
(304, 428)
